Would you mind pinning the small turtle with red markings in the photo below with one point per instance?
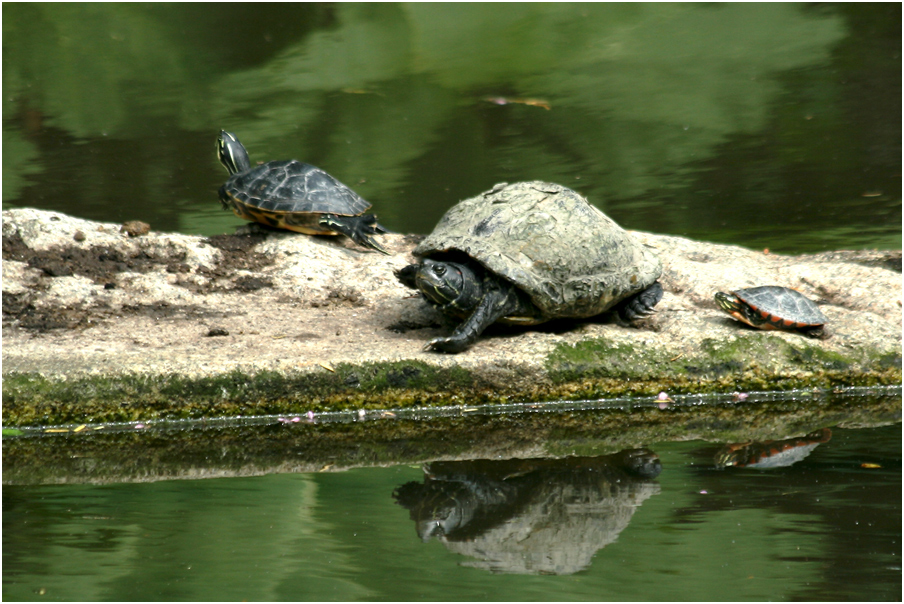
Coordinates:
(775, 307)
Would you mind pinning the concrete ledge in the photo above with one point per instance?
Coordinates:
(102, 326)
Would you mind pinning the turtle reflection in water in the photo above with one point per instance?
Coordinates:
(534, 516)
(526, 253)
(770, 453)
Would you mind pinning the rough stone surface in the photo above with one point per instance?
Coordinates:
(83, 299)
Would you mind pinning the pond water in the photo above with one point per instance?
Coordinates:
(763, 125)
(672, 521)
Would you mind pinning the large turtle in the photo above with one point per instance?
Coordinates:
(526, 253)
(293, 195)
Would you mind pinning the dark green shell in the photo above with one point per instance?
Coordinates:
(569, 257)
(290, 187)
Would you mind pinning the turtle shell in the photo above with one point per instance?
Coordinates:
(290, 194)
(782, 306)
(569, 257)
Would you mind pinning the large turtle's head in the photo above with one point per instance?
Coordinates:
(449, 285)
(441, 282)
(231, 153)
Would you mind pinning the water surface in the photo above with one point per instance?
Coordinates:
(764, 125)
(827, 527)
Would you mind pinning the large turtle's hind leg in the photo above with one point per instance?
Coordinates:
(640, 305)
(358, 228)
(499, 300)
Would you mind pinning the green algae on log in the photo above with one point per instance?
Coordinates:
(168, 450)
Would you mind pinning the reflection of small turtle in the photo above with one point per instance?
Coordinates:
(293, 195)
(527, 253)
(770, 453)
(774, 307)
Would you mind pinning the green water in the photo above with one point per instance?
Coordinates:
(824, 528)
(764, 125)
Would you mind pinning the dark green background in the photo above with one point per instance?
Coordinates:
(765, 125)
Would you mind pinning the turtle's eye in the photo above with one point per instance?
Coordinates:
(440, 270)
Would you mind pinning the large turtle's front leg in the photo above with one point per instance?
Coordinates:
(358, 228)
(500, 298)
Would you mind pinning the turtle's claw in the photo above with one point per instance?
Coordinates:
(368, 242)
(370, 225)
(358, 228)
(435, 345)
(641, 305)
(448, 345)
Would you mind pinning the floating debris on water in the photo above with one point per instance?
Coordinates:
(664, 400)
(501, 100)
